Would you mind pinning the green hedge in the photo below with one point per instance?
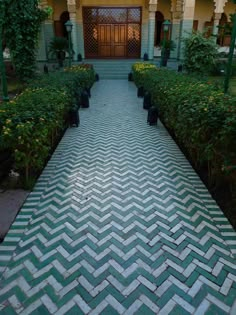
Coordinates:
(140, 70)
(200, 116)
(32, 123)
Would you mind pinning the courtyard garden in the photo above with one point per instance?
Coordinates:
(192, 105)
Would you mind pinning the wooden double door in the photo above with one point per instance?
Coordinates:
(112, 32)
(112, 40)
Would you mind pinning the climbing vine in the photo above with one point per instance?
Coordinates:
(20, 23)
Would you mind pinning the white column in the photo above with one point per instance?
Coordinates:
(187, 22)
(46, 33)
(74, 35)
(151, 32)
(175, 33)
(42, 52)
(71, 6)
(217, 17)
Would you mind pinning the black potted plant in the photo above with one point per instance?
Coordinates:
(79, 57)
(145, 56)
(166, 47)
(58, 48)
(74, 114)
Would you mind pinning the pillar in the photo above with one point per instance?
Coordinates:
(71, 5)
(45, 35)
(215, 31)
(48, 29)
(175, 33)
(80, 32)
(186, 25)
(177, 15)
(42, 51)
(151, 32)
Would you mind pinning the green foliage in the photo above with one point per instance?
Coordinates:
(168, 44)
(139, 70)
(200, 116)
(226, 29)
(32, 123)
(200, 53)
(58, 44)
(21, 21)
(86, 73)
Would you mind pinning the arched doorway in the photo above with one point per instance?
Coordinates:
(158, 28)
(223, 35)
(64, 18)
(59, 26)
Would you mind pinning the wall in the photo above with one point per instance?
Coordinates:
(59, 6)
(112, 3)
(164, 6)
(229, 8)
(203, 12)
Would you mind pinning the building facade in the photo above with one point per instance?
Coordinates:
(130, 28)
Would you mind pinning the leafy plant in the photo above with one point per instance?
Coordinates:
(20, 23)
(200, 53)
(32, 123)
(58, 44)
(58, 48)
(200, 116)
(139, 70)
(168, 44)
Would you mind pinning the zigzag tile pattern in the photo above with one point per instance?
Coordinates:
(118, 223)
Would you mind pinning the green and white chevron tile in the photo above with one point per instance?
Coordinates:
(118, 223)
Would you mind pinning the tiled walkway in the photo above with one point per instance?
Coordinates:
(118, 224)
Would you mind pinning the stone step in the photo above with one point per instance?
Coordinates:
(112, 69)
(119, 69)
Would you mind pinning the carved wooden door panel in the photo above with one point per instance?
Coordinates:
(105, 40)
(112, 40)
(119, 40)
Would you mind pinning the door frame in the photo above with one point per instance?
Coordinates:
(87, 56)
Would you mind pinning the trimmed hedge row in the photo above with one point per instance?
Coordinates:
(32, 123)
(200, 116)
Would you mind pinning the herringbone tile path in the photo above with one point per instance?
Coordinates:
(118, 223)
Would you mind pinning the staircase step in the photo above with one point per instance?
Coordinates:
(112, 69)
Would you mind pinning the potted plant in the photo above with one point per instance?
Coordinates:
(166, 47)
(74, 114)
(58, 48)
